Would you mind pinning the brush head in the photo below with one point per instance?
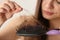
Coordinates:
(31, 27)
(31, 31)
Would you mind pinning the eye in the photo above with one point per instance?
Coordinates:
(58, 1)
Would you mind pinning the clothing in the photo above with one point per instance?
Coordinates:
(53, 32)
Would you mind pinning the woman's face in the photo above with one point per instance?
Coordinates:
(51, 9)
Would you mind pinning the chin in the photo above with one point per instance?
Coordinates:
(48, 17)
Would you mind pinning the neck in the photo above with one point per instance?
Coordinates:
(55, 24)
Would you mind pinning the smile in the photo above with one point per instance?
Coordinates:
(47, 12)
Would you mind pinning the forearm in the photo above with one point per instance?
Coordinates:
(12, 24)
(8, 30)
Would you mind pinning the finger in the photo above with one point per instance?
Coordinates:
(3, 16)
(18, 8)
(8, 14)
(2, 10)
(11, 5)
(6, 7)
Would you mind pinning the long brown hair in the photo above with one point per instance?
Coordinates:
(43, 21)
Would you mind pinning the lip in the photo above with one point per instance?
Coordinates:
(48, 12)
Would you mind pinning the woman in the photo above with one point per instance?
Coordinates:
(49, 16)
(8, 30)
(50, 12)
(44, 17)
(7, 10)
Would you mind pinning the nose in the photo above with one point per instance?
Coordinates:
(49, 4)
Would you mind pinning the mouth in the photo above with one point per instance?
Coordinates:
(47, 12)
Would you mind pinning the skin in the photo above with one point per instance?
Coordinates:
(8, 30)
(7, 11)
(53, 37)
(51, 6)
(28, 38)
(53, 15)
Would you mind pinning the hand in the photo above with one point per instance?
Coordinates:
(10, 8)
(7, 9)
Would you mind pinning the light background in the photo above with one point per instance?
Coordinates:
(27, 5)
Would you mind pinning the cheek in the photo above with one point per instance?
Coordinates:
(57, 10)
(44, 4)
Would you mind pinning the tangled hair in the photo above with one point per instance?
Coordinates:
(31, 28)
